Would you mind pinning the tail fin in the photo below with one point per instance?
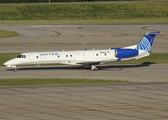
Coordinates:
(147, 41)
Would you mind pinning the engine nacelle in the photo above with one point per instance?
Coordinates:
(125, 53)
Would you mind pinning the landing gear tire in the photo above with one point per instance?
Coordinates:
(15, 69)
(94, 68)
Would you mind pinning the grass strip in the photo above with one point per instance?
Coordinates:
(153, 58)
(7, 56)
(7, 33)
(95, 21)
(49, 81)
(151, 11)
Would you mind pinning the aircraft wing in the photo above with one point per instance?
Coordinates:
(91, 62)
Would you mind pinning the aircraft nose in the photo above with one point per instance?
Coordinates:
(6, 63)
(12, 62)
(9, 62)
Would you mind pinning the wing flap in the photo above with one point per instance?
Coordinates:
(91, 62)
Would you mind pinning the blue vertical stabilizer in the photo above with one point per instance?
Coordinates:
(147, 41)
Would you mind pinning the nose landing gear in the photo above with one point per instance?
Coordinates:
(15, 68)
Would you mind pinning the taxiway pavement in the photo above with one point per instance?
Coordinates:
(133, 73)
(137, 101)
(78, 37)
(128, 101)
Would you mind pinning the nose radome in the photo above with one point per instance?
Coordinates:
(6, 63)
(12, 62)
(9, 62)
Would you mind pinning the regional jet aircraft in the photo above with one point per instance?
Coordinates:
(86, 58)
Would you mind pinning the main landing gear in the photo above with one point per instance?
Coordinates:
(15, 69)
(94, 68)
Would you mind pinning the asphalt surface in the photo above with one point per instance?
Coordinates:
(78, 37)
(138, 101)
(145, 99)
(133, 73)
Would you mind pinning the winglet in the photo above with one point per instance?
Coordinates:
(147, 41)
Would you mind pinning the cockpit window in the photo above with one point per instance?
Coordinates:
(24, 56)
(21, 56)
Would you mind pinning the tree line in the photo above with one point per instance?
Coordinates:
(46, 1)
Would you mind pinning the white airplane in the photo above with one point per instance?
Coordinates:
(87, 58)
